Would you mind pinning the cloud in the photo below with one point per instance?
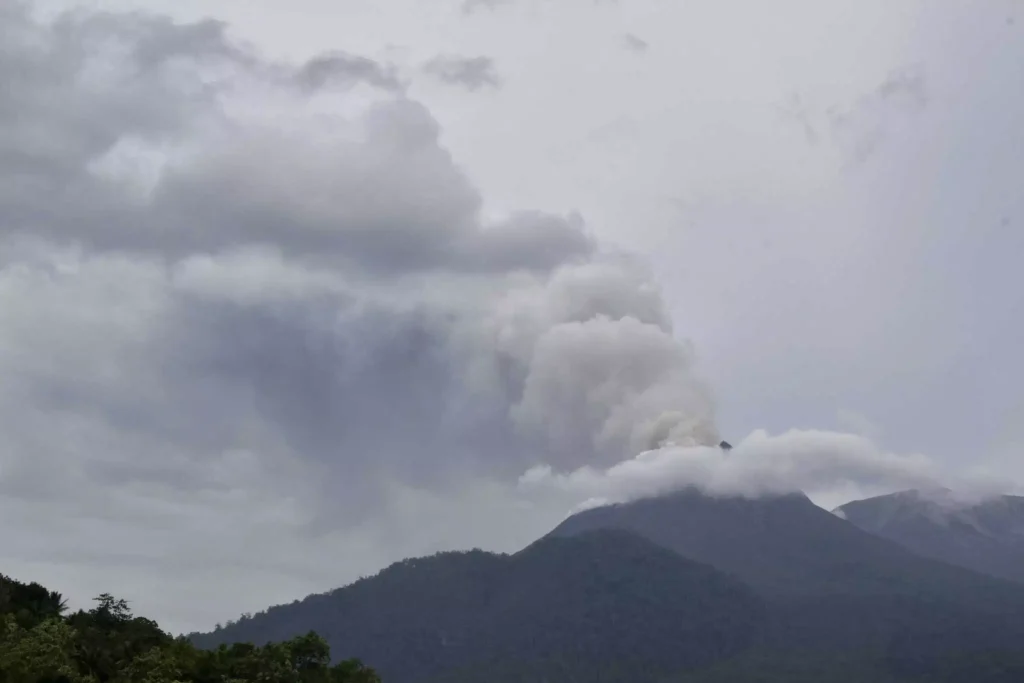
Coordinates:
(811, 461)
(856, 423)
(859, 127)
(340, 69)
(862, 126)
(472, 73)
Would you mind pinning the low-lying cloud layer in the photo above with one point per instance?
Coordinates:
(811, 461)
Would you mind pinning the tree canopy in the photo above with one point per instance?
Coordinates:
(41, 643)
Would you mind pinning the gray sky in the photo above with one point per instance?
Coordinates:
(292, 296)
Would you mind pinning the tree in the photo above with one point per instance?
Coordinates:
(30, 603)
(111, 610)
(108, 644)
(309, 653)
(42, 653)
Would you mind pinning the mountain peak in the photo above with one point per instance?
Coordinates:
(986, 535)
(783, 545)
(939, 506)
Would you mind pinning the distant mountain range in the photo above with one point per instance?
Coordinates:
(985, 536)
(683, 588)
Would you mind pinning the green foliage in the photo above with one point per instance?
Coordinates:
(29, 603)
(44, 652)
(108, 644)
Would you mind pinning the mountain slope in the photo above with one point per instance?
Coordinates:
(836, 593)
(987, 537)
(608, 596)
(788, 546)
(600, 606)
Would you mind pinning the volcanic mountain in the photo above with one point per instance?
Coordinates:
(683, 588)
(986, 536)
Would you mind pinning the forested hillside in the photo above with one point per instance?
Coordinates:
(41, 642)
(607, 605)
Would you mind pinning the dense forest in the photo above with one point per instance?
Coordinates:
(42, 643)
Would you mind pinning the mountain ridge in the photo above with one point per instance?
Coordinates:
(594, 602)
(781, 545)
(986, 536)
(683, 587)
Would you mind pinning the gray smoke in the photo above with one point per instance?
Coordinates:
(218, 271)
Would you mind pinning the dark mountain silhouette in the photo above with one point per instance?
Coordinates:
(786, 546)
(602, 606)
(986, 536)
(685, 588)
(835, 590)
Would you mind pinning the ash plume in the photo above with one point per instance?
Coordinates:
(278, 264)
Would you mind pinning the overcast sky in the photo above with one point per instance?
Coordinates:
(295, 293)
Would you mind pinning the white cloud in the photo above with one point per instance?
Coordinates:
(815, 462)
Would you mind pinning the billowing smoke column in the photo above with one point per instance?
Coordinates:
(278, 264)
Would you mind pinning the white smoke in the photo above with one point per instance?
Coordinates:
(808, 461)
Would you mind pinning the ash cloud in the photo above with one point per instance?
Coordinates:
(208, 258)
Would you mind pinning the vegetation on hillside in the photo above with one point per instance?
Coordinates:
(604, 606)
(608, 606)
(40, 642)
